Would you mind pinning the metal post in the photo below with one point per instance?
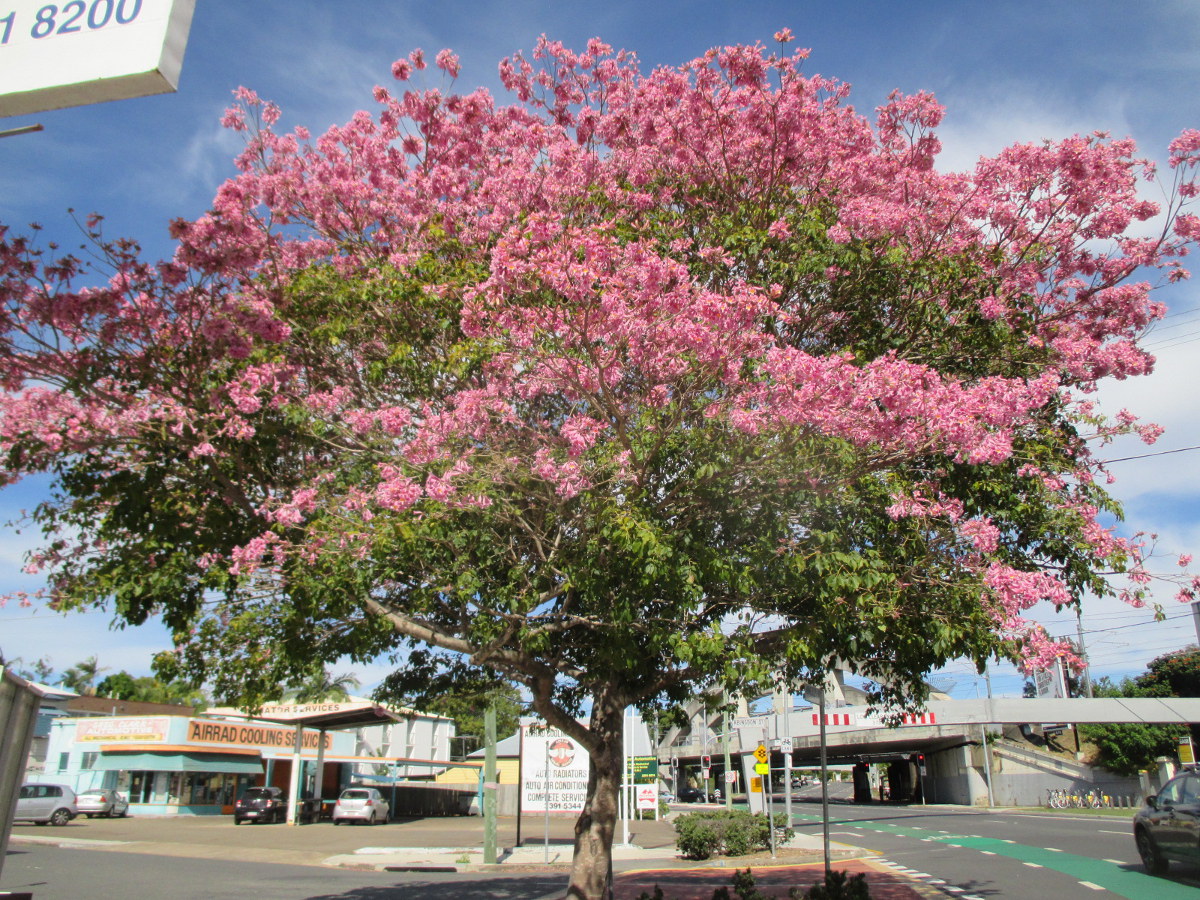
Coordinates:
(767, 798)
(520, 780)
(625, 779)
(546, 803)
(728, 765)
(787, 759)
(489, 784)
(824, 781)
(1087, 669)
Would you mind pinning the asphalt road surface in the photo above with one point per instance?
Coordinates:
(1011, 854)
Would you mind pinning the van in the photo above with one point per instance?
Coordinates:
(42, 803)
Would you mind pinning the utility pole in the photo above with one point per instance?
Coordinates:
(1087, 669)
(489, 784)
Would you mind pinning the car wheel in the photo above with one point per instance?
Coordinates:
(1152, 859)
(371, 819)
(89, 815)
(60, 817)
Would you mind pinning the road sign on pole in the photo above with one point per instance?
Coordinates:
(760, 753)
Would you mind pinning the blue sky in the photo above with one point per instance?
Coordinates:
(1007, 72)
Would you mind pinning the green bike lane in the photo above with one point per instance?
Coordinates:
(1095, 874)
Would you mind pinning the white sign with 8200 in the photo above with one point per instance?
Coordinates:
(54, 55)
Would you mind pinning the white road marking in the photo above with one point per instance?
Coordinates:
(1115, 862)
(1032, 865)
(1122, 833)
(987, 852)
(1053, 850)
(1094, 887)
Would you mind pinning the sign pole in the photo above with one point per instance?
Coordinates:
(546, 804)
(786, 746)
(520, 779)
(728, 766)
(625, 779)
(824, 783)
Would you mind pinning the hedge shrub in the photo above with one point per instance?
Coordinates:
(733, 832)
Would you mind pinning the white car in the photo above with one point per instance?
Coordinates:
(361, 804)
(101, 802)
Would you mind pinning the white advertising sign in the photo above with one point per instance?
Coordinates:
(647, 796)
(74, 52)
(137, 729)
(554, 771)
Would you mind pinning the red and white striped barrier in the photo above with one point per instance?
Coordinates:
(840, 719)
(921, 719)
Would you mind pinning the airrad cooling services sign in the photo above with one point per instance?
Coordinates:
(554, 771)
(70, 53)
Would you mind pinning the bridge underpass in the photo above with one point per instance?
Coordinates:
(950, 735)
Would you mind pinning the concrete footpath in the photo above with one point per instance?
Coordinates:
(452, 845)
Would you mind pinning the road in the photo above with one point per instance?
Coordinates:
(1011, 854)
(55, 873)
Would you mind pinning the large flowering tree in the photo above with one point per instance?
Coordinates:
(642, 384)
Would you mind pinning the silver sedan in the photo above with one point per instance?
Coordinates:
(101, 802)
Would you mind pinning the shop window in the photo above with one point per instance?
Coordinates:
(64, 761)
(89, 760)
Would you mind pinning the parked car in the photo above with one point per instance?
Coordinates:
(361, 804)
(46, 803)
(689, 794)
(1168, 826)
(101, 802)
(261, 804)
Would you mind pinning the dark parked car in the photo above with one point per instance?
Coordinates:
(1168, 826)
(261, 804)
(690, 795)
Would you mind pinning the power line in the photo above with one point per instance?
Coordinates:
(1148, 455)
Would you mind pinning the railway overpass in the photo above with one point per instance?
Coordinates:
(948, 733)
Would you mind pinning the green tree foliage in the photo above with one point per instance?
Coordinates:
(1129, 749)
(1173, 674)
(148, 689)
(81, 677)
(322, 685)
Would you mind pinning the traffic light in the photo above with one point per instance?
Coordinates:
(707, 761)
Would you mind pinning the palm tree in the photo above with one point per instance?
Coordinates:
(322, 686)
(82, 676)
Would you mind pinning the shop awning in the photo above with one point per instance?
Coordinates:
(226, 763)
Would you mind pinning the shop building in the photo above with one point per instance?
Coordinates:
(200, 764)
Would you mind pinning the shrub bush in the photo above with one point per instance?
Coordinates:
(734, 832)
(838, 886)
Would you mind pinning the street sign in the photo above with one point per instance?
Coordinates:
(785, 745)
(731, 777)
(1187, 755)
(643, 769)
(749, 721)
(704, 770)
(756, 785)
(760, 753)
(762, 768)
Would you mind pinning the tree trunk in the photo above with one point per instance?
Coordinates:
(591, 866)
